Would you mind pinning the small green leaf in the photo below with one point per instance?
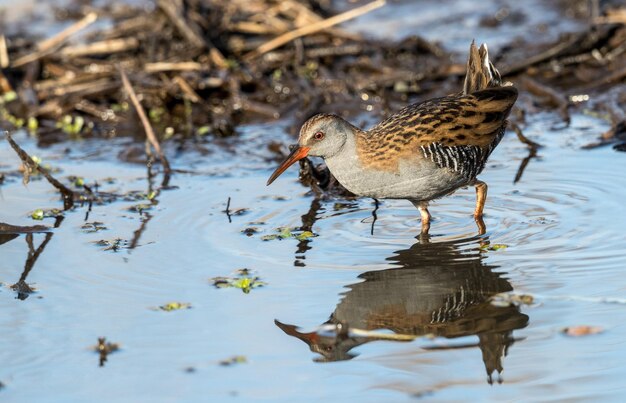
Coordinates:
(9, 97)
(494, 247)
(203, 130)
(175, 306)
(32, 124)
(304, 236)
(40, 214)
(286, 233)
(243, 281)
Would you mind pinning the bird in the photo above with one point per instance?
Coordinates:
(423, 152)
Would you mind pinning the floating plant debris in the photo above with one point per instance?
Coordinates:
(287, 233)
(243, 280)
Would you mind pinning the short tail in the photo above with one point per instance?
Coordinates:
(481, 73)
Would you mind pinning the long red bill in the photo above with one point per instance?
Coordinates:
(297, 154)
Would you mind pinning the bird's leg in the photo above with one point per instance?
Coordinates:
(481, 196)
(422, 206)
(481, 225)
(374, 215)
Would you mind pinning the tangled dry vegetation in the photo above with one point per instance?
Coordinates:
(203, 67)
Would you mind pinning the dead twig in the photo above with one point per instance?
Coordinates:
(147, 126)
(548, 54)
(187, 89)
(68, 195)
(49, 45)
(312, 28)
(101, 48)
(4, 53)
(187, 28)
(557, 100)
(159, 67)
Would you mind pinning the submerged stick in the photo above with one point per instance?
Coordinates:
(312, 28)
(146, 125)
(68, 195)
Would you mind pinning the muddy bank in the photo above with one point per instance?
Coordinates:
(203, 68)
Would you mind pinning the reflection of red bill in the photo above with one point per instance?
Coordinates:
(296, 155)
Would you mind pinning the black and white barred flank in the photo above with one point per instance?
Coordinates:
(467, 160)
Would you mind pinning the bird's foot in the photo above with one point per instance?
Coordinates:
(480, 224)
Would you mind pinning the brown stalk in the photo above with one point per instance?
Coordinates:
(158, 67)
(101, 48)
(187, 89)
(312, 28)
(4, 53)
(146, 124)
(188, 29)
(556, 99)
(49, 45)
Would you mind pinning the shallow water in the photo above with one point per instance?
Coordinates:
(562, 225)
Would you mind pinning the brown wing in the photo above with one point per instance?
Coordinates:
(475, 120)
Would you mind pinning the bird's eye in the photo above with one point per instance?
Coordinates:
(318, 136)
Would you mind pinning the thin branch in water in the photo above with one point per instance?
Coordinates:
(137, 234)
(520, 171)
(532, 151)
(68, 195)
(227, 211)
(147, 126)
(520, 135)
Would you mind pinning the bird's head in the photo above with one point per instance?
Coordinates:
(321, 136)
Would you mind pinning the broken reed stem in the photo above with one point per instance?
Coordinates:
(189, 30)
(48, 45)
(312, 28)
(68, 195)
(146, 124)
(4, 53)
(158, 67)
(101, 48)
(557, 99)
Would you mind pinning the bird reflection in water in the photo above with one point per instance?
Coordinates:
(441, 289)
